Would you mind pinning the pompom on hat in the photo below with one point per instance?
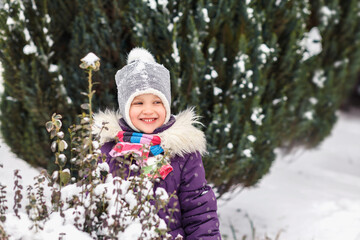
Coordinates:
(142, 75)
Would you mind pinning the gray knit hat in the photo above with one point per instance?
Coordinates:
(142, 75)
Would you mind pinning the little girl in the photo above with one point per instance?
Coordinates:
(144, 117)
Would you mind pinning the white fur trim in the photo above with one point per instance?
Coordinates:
(111, 118)
(181, 138)
(147, 91)
(140, 54)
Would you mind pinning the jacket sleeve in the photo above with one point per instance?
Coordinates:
(197, 202)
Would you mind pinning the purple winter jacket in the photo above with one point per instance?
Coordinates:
(197, 217)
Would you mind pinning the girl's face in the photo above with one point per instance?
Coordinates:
(147, 112)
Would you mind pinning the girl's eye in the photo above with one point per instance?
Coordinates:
(158, 102)
(137, 103)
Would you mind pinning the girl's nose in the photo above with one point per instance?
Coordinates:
(147, 110)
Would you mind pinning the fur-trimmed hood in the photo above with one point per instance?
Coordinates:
(181, 138)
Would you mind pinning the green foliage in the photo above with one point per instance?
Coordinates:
(245, 65)
(32, 89)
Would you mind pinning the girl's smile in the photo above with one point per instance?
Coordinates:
(147, 112)
(148, 120)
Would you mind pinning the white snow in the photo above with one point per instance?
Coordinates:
(251, 138)
(309, 195)
(309, 115)
(10, 162)
(95, 144)
(327, 14)
(175, 55)
(319, 78)
(27, 34)
(176, 19)
(311, 43)
(217, 91)
(256, 116)
(265, 52)
(170, 27)
(163, 2)
(214, 74)
(60, 134)
(68, 100)
(20, 231)
(62, 157)
(132, 232)
(241, 62)
(265, 49)
(341, 62)
(247, 153)
(152, 4)
(1, 81)
(161, 193)
(10, 21)
(30, 48)
(228, 126)
(53, 68)
(47, 18)
(250, 12)
(276, 101)
(12, 99)
(206, 15)
(249, 73)
(33, 4)
(313, 100)
(90, 59)
(49, 40)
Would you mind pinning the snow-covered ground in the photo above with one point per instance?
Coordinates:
(310, 195)
(10, 162)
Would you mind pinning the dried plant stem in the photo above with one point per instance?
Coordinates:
(90, 95)
(18, 196)
(3, 202)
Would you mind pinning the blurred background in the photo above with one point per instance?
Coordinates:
(266, 76)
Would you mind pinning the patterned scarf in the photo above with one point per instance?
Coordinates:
(147, 147)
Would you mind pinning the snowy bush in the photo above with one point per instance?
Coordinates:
(91, 204)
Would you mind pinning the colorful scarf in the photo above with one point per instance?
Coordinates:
(147, 147)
